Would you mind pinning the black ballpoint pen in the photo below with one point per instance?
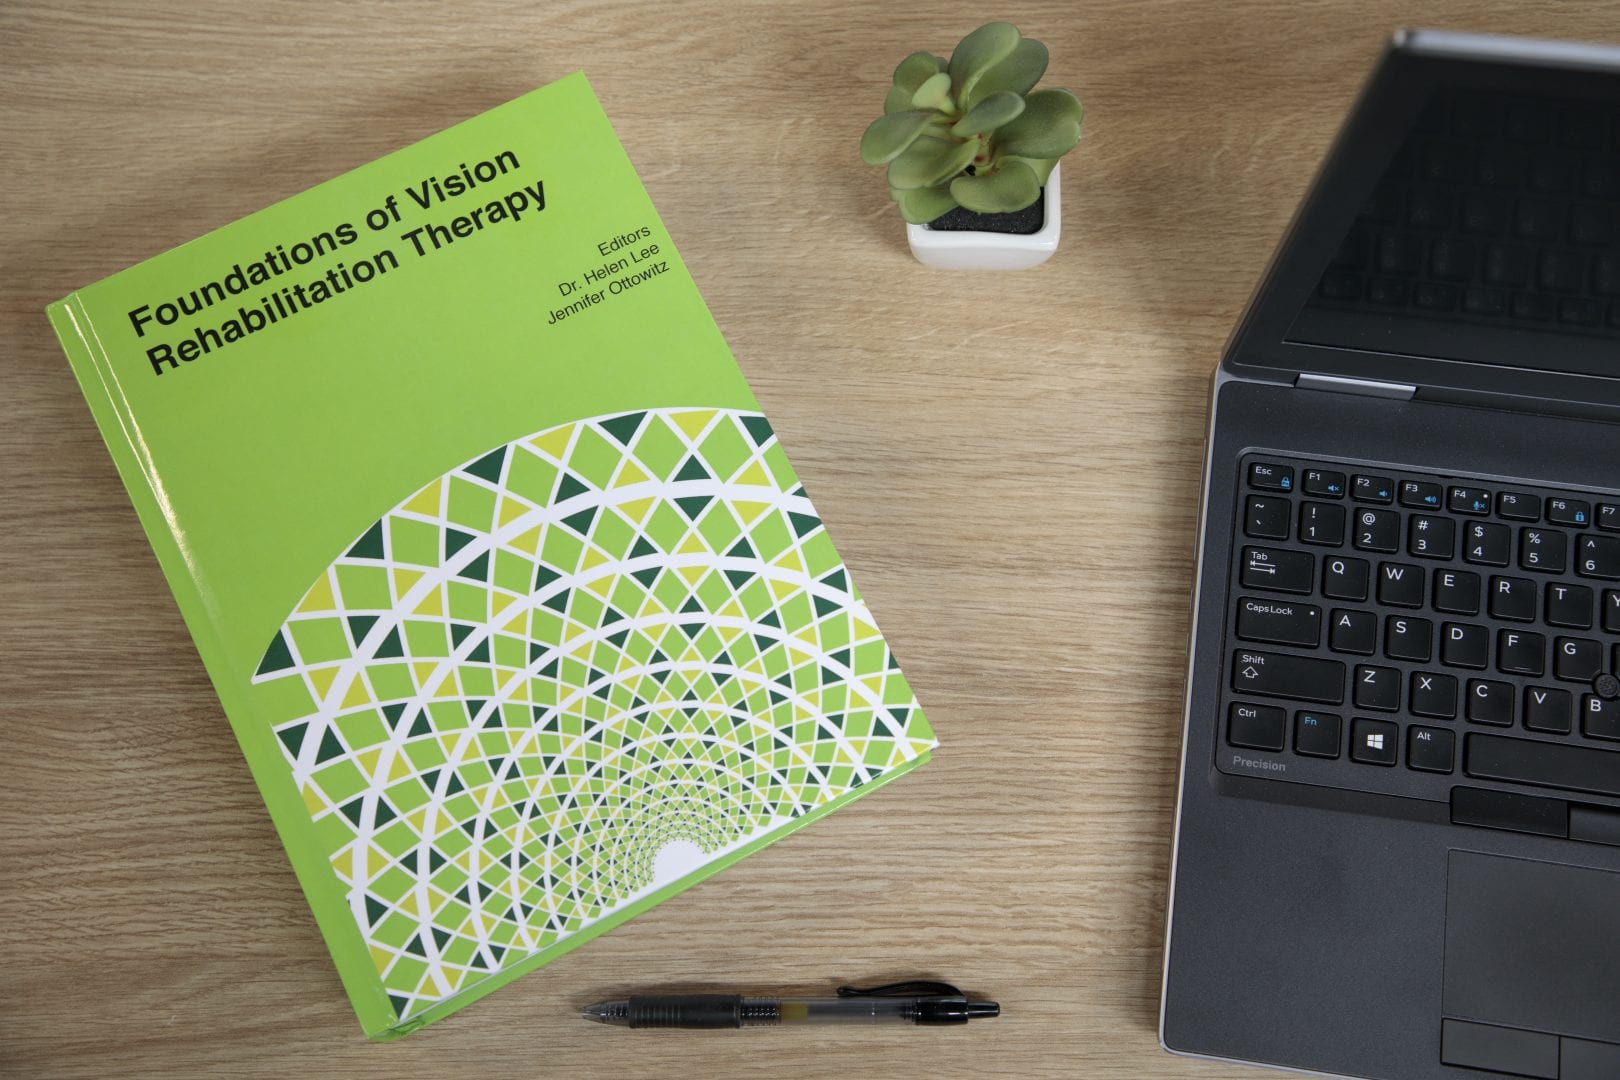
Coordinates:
(903, 1002)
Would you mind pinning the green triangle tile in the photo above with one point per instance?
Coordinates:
(331, 747)
(278, 657)
(803, 524)
(392, 645)
(353, 809)
(742, 550)
(392, 712)
(292, 737)
(771, 618)
(375, 910)
(647, 576)
(837, 580)
(429, 779)
(642, 547)
(800, 492)
(581, 521)
(618, 639)
(825, 607)
(455, 540)
(477, 570)
(436, 859)
(421, 727)
(455, 786)
(549, 671)
(414, 946)
(568, 486)
(623, 428)
(370, 545)
(489, 466)
(358, 626)
(473, 705)
(693, 505)
(385, 813)
(557, 601)
(400, 1005)
(459, 632)
(739, 578)
(441, 938)
(479, 653)
(692, 469)
(758, 428)
(543, 576)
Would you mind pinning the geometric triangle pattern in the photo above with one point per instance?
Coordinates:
(513, 696)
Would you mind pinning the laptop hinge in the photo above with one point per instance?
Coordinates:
(1336, 384)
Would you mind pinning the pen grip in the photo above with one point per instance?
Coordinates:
(686, 1011)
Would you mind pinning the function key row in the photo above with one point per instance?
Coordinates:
(1428, 495)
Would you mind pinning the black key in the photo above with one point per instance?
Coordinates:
(1598, 557)
(1372, 742)
(1519, 652)
(1591, 225)
(1456, 592)
(1330, 485)
(1611, 612)
(1468, 500)
(1513, 598)
(1481, 301)
(1345, 579)
(1433, 695)
(1277, 571)
(1507, 264)
(1431, 208)
(1396, 253)
(1316, 734)
(1487, 543)
(1279, 675)
(1400, 585)
(1354, 632)
(1452, 260)
(1537, 219)
(1430, 749)
(1390, 292)
(1377, 688)
(1569, 605)
(1538, 307)
(1266, 517)
(1600, 179)
(1600, 719)
(1435, 296)
(1608, 516)
(1519, 506)
(1490, 702)
(1569, 512)
(1606, 274)
(1546, 709)
(1465, 645)
(1279, 622)
(1373, 489)
(1430, 537)
(1256, 727)
(1321, 523)
(1378, 530)
(1579, 311)
(1483, 214)
(1498, 1049)
(1408, 639)
(1546, 550)
(1444, 160)
(1270, 477)
(1544, 764)
(1342, 285)
(1422, 494)
(1560, 271)
(1577, 659)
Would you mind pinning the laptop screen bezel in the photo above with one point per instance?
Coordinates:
(1410, 69)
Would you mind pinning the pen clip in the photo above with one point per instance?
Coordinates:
(911, 986)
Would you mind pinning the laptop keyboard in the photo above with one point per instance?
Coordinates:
(1496, 210)
(1395, 632)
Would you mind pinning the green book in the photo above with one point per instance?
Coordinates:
(511, 597)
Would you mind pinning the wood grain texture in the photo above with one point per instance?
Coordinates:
(1008, 462)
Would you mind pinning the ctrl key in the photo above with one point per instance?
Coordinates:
(1256, 727)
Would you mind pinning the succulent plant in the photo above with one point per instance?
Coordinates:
(968, 132)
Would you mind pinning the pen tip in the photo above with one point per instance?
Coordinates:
(605, 1012)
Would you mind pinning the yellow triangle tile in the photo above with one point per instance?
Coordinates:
(448, 686)
(528, 542)
(405, 580)
(423, 671)
(781, 589)
(691, 574)
(790, 560)
(407, 903)
(554, 443)
(512, 509)
(426, 501)
(693, 544)
(636, 510)
(630, 473)
(321, 680)
(376, 861)
(693, 422)
(319, 597)
(594, 556)
(368, 760)
(400, 768)
(418, 819)
(517, 624)
(748, 511)
(358, 694)
(754, 476)
(312, 800)
(381, 958)
(432, 604)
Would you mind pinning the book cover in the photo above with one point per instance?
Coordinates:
(511, 597)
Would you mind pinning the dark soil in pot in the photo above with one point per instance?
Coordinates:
(1022, 222)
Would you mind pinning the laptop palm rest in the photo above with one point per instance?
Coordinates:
(1532, 967)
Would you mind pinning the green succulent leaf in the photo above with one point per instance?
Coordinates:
(1012, 186)
(989, 114)
(1049, 126)
(935, 93)
(889, 136)
(978, 53)
(1019, 73)
(898, 100)
(917, 69)
(922, 205)
(930, 161)
(1042, 167)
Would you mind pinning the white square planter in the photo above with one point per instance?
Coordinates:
(945, 250)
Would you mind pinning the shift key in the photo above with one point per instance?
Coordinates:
(1280, 675)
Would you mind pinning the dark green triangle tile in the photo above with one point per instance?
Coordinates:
(557, 601)
(375, 910)
(477, 570)
(803, 524)
(421, 727)
(543, 576)
(400, 1005)
(370, 545)
(459, 632)
(292, 737)
(647, 576)
(414, 946)
(693, 505)
(479, 653)
(692, 469)
(358, 626)
(581, 522)
(771, 618)
(455, 540)
(568, 486)
(331, 747)
(278, 657)
(837, 580)
(441, 938)
(385, 813)
(739, 578)
(642, 548)
(353, 809)
(489, 466)
(825, 607)
(392, 645)
(758, 428)
(623, 428)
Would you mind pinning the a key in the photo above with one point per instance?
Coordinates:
(1354, 632)
(1316, 734)
(1328, 485)
(1519, 652)
(1430, 749)
(1279, 622)
(1422, 494)
(1373, 489)
(1400, 585)
(1266, 517)
(1378, 530)
(1465, 645)
(1518, 506)
(1569, 605)
(1345, 579)
(1569, 511)
(1271, 477)
(1490, 702)
(1279, 675)
(1600, 718)
(1598, 557)
(1577, 659)
(1433, 695)
(1546, 709)
(1456, 592)
(1487, 543)
(1321, 523)
(1373, 742)
(1467, 500)
(1377, 688)
(1276, 570)
(1256, 727)
(1513, 598)
(1408, 639)
(1546, 550)
(1431, 537)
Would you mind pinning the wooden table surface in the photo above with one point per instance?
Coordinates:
(1009, 463)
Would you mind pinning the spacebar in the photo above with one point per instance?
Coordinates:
(1524, 761)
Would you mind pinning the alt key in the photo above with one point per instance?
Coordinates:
(1430, 749)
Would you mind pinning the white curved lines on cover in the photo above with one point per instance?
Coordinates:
(567, 673)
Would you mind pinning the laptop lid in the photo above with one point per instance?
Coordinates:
(1462, 240)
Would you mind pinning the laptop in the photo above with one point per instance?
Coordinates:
(1397, 845)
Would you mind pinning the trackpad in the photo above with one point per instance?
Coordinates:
(1533, 945)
